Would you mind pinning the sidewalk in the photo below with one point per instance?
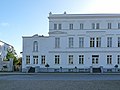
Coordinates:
(20, 73)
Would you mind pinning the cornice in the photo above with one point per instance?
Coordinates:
(82, 16)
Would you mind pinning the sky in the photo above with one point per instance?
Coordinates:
(28, 17)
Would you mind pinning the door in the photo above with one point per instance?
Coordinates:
(95, 60)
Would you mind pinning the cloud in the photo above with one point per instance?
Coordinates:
(4, 24)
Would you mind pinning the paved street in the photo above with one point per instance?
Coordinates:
(61, 76)
(55, 81)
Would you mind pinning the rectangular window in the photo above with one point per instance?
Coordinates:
(93, 25)
(97, 26)
(81, 26)
(59, 26)
(98, 42)
(81, 42)
(109, 59)
(95, 59)
(118, 59)
(27, 59)
(55, 26)
(57, 42)
(81, 59)
(43, 59)
(109, 25)
(118, 41)
(109, 41)
(71, 42)
(118, 25)
(92, 42)
(70, 59)
(57, 59)
(35, 59)
(71, 26)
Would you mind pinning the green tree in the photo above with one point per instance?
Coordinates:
(11, 54)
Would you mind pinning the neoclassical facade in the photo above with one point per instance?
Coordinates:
(76, 43)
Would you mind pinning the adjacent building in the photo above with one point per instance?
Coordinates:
(5, 65)
(76, 43)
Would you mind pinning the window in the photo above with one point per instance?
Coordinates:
(70, 59)
(71, 42)
(109, 59)
(98, 42)
(97, 25)
(55, 26)
(118, 41)
(71, 26)
(81, 59)
(118, 25)
(109, 41)
(35, 59)
(57, 42)
(59, 26)
(95, 59)
(81, 42)
(43, 59)
(93, 25)
(57, 59)
(27, 59)
(109, 25)
(92, 42)
(118, 59)
(81, 26)
(35, 46)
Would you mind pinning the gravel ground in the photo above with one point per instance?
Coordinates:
(58, 85)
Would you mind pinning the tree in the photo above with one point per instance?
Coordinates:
(11, 54)
(47, 65)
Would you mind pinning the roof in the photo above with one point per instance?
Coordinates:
(75, 16)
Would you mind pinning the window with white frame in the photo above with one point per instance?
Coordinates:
(81, 25)
(118, 59)
(70, 59)
(43, 59)
(35, 59)
(71, 26)
(81, 59)
(118, 41)
(97, 25)
(109, 25)
(81, 42)
(109, 41)
(98, 42)
(70, 42)
(55, 26)
(109, 59)
(93, 25)
(57, 42)
(57, 59)
(92, 42)
(27, 59)
(35, 46)
(59, 26)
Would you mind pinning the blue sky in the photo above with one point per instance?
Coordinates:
(28, 17)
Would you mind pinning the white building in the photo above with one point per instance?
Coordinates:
(5, 65)
(76, 43)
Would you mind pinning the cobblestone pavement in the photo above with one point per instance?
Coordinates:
(58, 85)
(60, 82)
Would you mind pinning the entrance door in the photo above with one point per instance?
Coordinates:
(95, 60)
(95, 64)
